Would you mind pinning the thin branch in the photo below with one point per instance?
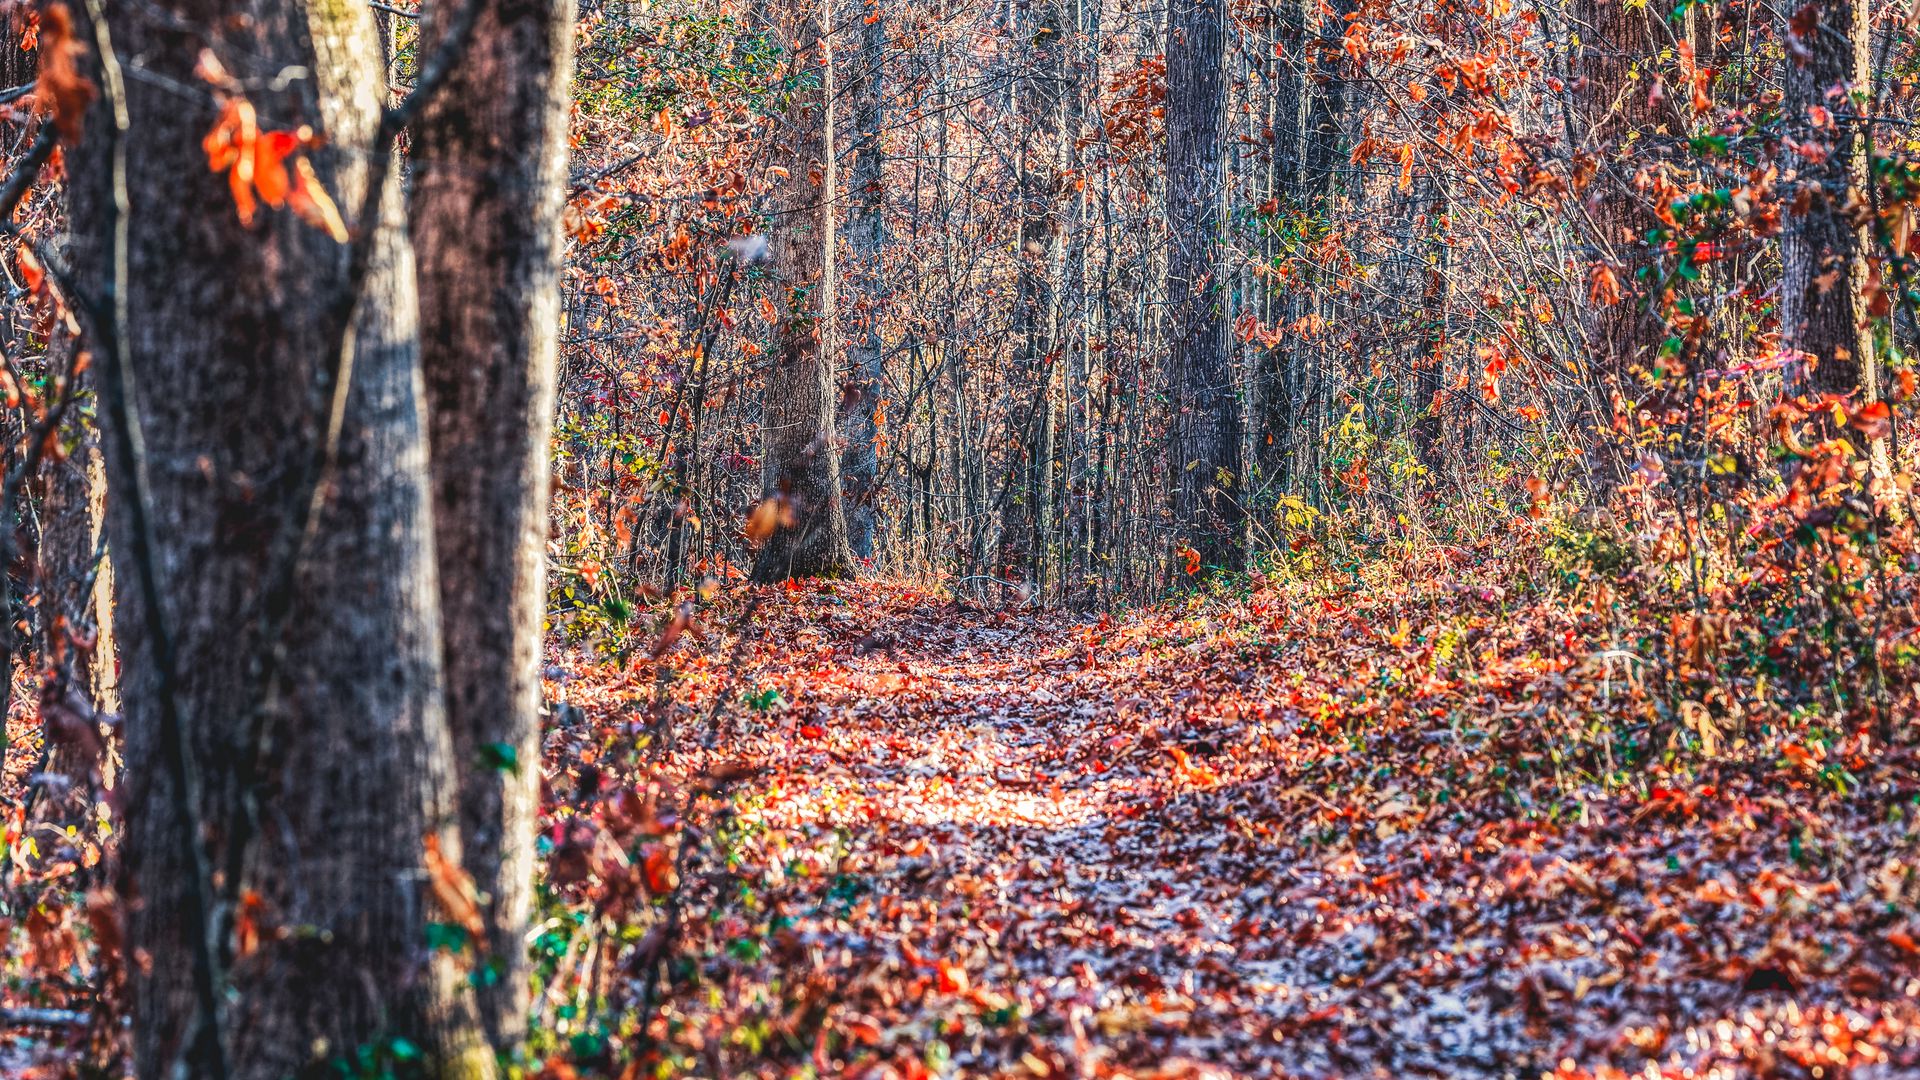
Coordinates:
(20, 181)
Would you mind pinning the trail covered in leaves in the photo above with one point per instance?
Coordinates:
(1428, 821)
(1388, 830)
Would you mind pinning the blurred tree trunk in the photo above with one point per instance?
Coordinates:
(867, 241)
(1823, 255)
(797, 412)
(288, 764)
(78, 668)
(1205, 431)
(489, 174)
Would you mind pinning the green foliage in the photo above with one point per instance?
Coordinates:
(1577, 553)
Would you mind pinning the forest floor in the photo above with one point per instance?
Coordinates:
(1369, 832)
(1383, 829)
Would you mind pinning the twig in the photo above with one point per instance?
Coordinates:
(20, 181)
(27, 1017)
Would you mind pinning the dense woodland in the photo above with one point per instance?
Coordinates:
(652, 538)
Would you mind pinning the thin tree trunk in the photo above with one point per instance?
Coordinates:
(78, 676)
(1430, 364)
(489, 168)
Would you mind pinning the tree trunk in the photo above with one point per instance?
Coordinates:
(489, 171)
(284, 711)
(1279, 409)
(1028, 530)
(867, 240)
(1205, 436)
(1430, 364)
(1613, 104)
(78, 669)
(1823, 312)
(797, 414)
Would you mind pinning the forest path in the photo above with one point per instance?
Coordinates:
(1269, 842)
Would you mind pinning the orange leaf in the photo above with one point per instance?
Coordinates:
(953, 978)
(61, 91)
(454, 892)
(681, 619)
(765, 518)
(1605, 289)
(1874, 420)
(662, 876)
(270, 179)
(32, 274)
(246, 923)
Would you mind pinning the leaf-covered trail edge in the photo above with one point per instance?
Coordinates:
(1377, 832)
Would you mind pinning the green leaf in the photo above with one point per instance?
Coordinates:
(501, 757)
(448, 937)
(617, 609)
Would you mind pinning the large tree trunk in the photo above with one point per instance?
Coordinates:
(797, 414)
(288, 760)
(489, 169)
(867, 241)
(1824, 257)
(1205, 436)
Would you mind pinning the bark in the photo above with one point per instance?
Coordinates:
(1823, 312)
(1613, 73)
(1430, 364)
(867, 241)
(1036, 314)
(1322, 150)
(78, 669)
(1205, 436)
(1285, 191)
(284, 721)
(18, 66)
(489, 168)
(797, 412)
